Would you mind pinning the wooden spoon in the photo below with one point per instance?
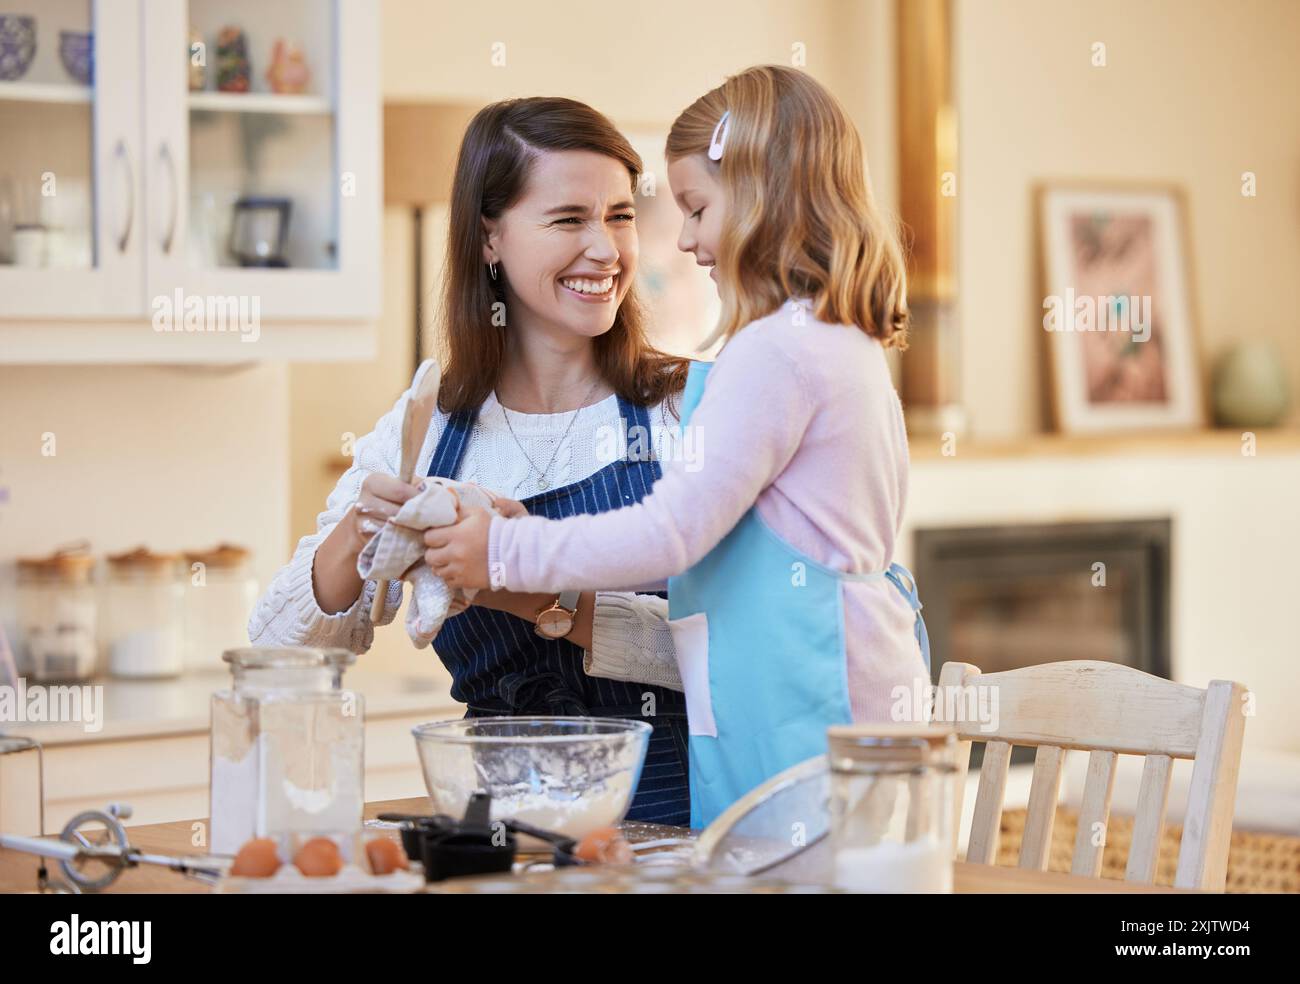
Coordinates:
(415, 425)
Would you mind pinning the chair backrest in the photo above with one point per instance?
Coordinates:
(1106, 709)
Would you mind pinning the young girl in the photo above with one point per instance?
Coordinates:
(777, 537)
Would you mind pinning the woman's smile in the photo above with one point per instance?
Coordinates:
(592, 288)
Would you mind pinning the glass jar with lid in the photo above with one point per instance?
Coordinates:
(22, 786)
(287, 749)
(57, 616)
(143, 613)
(892, 802)
(220, 592)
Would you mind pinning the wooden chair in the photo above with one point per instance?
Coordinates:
(1106, 709)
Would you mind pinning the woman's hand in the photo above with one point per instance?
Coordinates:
(508, 508)
(335, 581)
(380, 498)
(458, 553)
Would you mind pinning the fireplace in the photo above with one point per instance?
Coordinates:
(1002, 597)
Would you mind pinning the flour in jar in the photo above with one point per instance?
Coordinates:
(920, 866)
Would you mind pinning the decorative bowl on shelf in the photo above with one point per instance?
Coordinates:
(17, 45)
(77, 52)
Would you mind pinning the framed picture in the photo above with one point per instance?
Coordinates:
(1117, 309)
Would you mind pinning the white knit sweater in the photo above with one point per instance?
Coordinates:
(630, 636)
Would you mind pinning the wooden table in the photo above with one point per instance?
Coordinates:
(18, 871)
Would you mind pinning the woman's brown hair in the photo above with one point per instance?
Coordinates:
(496, 156)
(801, 220)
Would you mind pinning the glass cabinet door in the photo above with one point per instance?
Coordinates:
(260, 185)
(70, 214)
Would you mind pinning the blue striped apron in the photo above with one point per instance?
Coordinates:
(499, 665)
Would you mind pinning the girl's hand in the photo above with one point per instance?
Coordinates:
(458, 553)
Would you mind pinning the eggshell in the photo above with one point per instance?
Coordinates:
(319, 858)
(258, 858)
(604, 845)
(385, 856)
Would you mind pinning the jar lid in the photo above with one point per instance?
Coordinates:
(287, 657)
(222, 555)
(904, 744)
(143, 559)
(72, 564)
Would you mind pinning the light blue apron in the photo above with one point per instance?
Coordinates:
(759, 633)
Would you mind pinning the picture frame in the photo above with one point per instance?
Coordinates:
(1117, 309)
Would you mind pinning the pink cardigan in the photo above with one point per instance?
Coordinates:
(799, 419)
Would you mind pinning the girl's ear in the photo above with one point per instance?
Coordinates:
(491, 228)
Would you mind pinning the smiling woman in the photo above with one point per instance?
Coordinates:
(545, 356)
(588, 248)
(542, 203)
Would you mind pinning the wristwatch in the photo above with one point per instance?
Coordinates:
(555, 621)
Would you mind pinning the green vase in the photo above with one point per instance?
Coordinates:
(1250, 386)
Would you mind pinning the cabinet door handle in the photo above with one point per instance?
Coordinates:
(121, 153)
(165, 154)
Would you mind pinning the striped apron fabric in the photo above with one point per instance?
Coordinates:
(499, 665)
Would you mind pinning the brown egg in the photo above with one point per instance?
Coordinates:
(604, 846)
(385, 856)
(259, 858)
(319, 858)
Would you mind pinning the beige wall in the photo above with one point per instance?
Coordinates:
(645, 63)
(1194, 92)
(171, 457)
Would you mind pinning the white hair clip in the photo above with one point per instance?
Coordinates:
(719, 138)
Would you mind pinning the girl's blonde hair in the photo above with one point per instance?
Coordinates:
(801, 221)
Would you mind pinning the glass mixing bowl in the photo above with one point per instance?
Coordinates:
(567, 775)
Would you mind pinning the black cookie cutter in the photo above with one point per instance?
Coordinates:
(473, 845)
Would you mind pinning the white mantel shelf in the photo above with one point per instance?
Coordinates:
(1200, 443)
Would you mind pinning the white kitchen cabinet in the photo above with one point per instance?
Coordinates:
(70, 168)
(156, 175)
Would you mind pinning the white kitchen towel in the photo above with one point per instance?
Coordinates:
(396, 552)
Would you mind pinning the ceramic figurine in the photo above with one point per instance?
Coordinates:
(232, 60)
(288, 72)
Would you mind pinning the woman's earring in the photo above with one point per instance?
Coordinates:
(492, 270)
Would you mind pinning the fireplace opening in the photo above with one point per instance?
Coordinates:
(1003, 597)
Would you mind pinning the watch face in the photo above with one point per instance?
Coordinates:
(554, 624)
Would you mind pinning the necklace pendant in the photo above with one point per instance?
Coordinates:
(543, 484)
